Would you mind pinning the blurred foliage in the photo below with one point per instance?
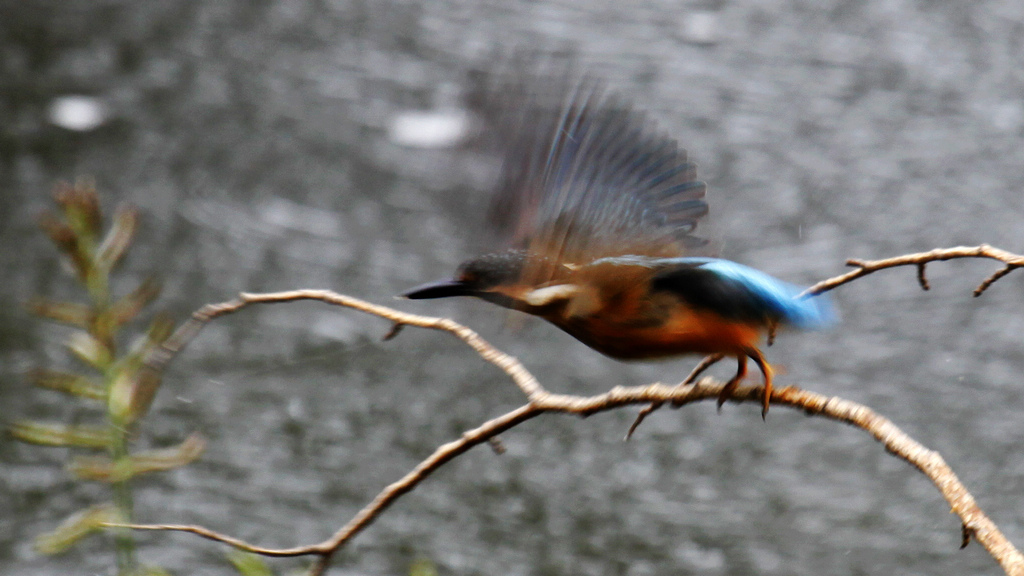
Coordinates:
(249, 564)
(117, 380)
(423, 567)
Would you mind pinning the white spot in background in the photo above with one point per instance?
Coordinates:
(701, 28)
(78, 113)
(1007, 116)
(296, 409)
(287, 214)
(433, 129)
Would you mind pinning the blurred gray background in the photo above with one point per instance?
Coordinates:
(266, 145)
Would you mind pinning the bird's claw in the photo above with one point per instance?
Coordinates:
(727, 390)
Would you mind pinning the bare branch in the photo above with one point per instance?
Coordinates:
(189, 330)
(224, 539)
(396, 329)
(708, 361)
(382, 501)
(995, 276)
(930, 463)
(640, 417)
(865, 267)
(974, 522)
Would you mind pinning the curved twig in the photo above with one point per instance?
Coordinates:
(189, 330)
(974, 522)
(921, 259)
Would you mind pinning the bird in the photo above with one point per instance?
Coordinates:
(596, 209)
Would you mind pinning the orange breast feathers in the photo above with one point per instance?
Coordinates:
(618, 316)
(683, 331)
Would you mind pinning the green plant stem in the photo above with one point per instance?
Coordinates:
(124, 540)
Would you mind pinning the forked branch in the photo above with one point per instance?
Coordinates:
(539, 401)
(920, 260)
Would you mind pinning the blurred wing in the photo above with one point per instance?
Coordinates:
(584, 176)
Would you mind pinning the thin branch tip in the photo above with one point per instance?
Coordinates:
(922, 278)
(993, 278)
(640, 417)
(497, 446)
(920, 260)
(394, 331)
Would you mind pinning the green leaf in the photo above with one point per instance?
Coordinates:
(159, 330)
(81, 206)
(103, 469)
(70, 313)
(168, 458)
(99, 468)
(74, 384)
(423, 567)
(59, 232)
(52, 434)
(76, 527)
(248, 564)
(143, 392)
(67, 241)
(129, 306)
(118, 239)
(122, 388)
(148, 571)
(90, 350)
(132, 390)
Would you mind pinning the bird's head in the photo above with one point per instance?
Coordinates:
(483, 277)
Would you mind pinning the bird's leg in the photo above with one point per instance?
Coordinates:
(730, 386)
(766, 369)
(708, 361)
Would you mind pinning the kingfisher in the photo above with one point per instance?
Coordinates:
(596, 208)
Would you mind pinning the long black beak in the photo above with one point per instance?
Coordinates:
(442, 289)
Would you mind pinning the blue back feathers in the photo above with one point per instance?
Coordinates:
(777, 296)
(733, 290)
